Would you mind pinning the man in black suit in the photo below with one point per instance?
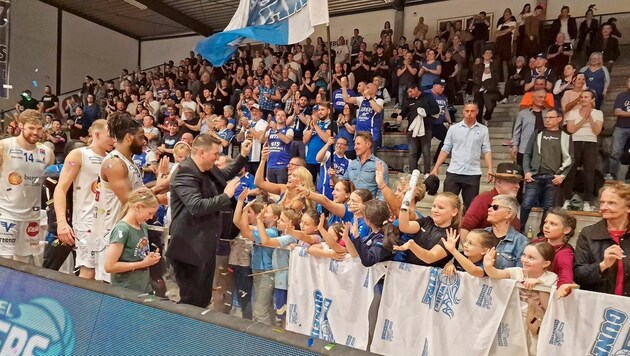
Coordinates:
(197, 222)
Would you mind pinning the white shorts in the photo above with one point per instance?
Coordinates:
(99, 266)
(20, 238)
(85, 256)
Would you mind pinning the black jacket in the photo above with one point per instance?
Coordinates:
(610, 52)
(425, 101)
(489, 84)
(589, 252)
(572, 28)
(197, 203)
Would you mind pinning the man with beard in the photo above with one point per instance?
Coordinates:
(80, 170)
(49, 101)
(298, 122)
(118, 176)
(22, 162)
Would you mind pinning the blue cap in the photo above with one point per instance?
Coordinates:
(277, 106)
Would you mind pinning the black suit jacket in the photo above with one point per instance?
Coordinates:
(197, 203)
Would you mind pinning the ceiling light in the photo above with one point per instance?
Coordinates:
(136, 4)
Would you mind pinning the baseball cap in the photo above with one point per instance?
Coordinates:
(541, 55)
(439, 81)
(277, 106)
(255, 106)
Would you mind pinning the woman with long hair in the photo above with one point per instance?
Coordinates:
(597, 77)
(503, 43)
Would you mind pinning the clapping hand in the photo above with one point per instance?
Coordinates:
(451, 240)
(231, 186)
(246, 147)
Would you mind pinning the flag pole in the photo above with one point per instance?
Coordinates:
(330, 65)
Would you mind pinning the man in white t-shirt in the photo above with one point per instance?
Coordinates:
(342, 51)
(188, 102)
(253, 130)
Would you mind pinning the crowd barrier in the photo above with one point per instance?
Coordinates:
(422, 311)
(44, 312)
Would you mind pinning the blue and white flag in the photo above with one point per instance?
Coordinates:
(330, 299)
(435, 314)
(280, 22)
(586, 323)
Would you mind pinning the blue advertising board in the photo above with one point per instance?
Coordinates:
(40, 316)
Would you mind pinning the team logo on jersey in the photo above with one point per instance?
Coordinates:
(95, 186)
(32, 229)
(15, 178)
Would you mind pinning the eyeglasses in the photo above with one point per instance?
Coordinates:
(468, 243)
(496, 207)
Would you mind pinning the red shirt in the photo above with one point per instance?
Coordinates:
(477, 214)
(616, 236)
(562, 263)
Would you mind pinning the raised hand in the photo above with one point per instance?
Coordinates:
(243, 195)
(451, 240)
(489, 258)
(246, 147)
(380, 174)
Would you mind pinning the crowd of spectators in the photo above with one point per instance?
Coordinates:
(313, 180)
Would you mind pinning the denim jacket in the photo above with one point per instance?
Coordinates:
(510, 249)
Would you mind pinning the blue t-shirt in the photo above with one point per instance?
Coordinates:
(343, 132)
(369, 120)
(141, 162)
(281, 260)
(262, 256)
(427, 78)
(364, 229)
(442, 102)
(247, 181)
(340, 164)
(595, 80)
(623, 103)
(279, 152)
(338, 102)
(226, 135)
(347, 217)
(316, 143)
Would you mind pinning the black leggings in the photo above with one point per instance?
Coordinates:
(585, 154)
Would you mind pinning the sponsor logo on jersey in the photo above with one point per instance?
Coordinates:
(32, 229)
(95, 186)
(15, 178)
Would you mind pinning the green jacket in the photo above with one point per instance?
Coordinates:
(531, 158)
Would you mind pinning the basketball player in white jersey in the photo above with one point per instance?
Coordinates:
(118, 176)
(80, 170)
(23, 161)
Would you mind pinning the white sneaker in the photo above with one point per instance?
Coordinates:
(565, 206)
(504, 101)
(587, 207)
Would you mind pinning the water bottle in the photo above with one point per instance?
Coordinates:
(412, 189)
(530, 232)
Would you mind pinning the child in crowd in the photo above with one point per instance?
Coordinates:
(371, 250)
(289, 220)
(261, 258)
(558, 229)
(333, 246)
(476, 245)
(338, 207)
(307, 235)
(128, 255)
(240, 256)
(426, 246)
(356, 205)
(537, 259)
